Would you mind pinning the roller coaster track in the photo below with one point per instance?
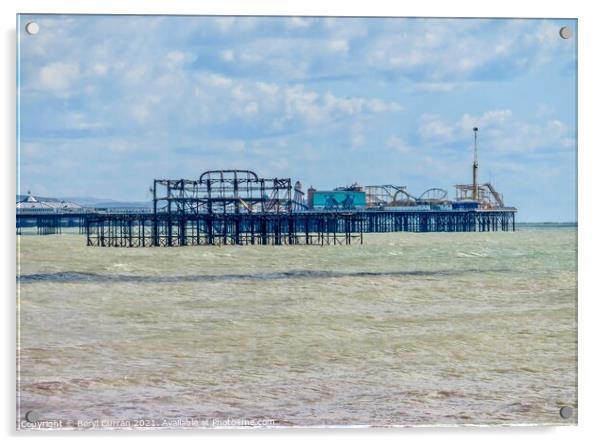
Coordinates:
(496, 195)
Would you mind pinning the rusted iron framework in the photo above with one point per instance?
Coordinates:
(161, 230)
(224, 207)
(222, 192)
(318, 228)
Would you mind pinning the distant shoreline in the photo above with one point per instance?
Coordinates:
(548, 224)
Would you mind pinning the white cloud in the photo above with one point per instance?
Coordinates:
(299, 102)
(338, 45)
(397, 144)
(297, 22)
(240, 94)
(499, 130)
(489, 119)
(58, 76)
(133, 74)
(357, 136)
(280, 105)
(352, 105)
(79, 121)
(434, 87)
(317, 108)
(379, 106)
(251, 108)
(433, 128)
(100, 69)
(216, 80)
(438, 52)
(279, 165)
(140, 112)
(238, 146)
(268, 89)
(175, 59)
(33, 150)
(119, 146)
(176, 56)
(224, 24)
(229, 145)
(227, 55)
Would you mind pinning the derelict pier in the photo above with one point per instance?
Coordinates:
(238, 207)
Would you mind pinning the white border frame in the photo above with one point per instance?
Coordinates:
(589, 234)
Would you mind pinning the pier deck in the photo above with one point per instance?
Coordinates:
(317, 228)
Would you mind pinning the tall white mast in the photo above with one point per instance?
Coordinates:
(475, 168)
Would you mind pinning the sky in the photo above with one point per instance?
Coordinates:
(106, 104)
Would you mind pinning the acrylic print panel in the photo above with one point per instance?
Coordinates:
(295, 221)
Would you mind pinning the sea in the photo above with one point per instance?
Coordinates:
(404, 329)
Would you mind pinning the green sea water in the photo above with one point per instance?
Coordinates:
(406, 329)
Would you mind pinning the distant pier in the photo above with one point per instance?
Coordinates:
(238, 207)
